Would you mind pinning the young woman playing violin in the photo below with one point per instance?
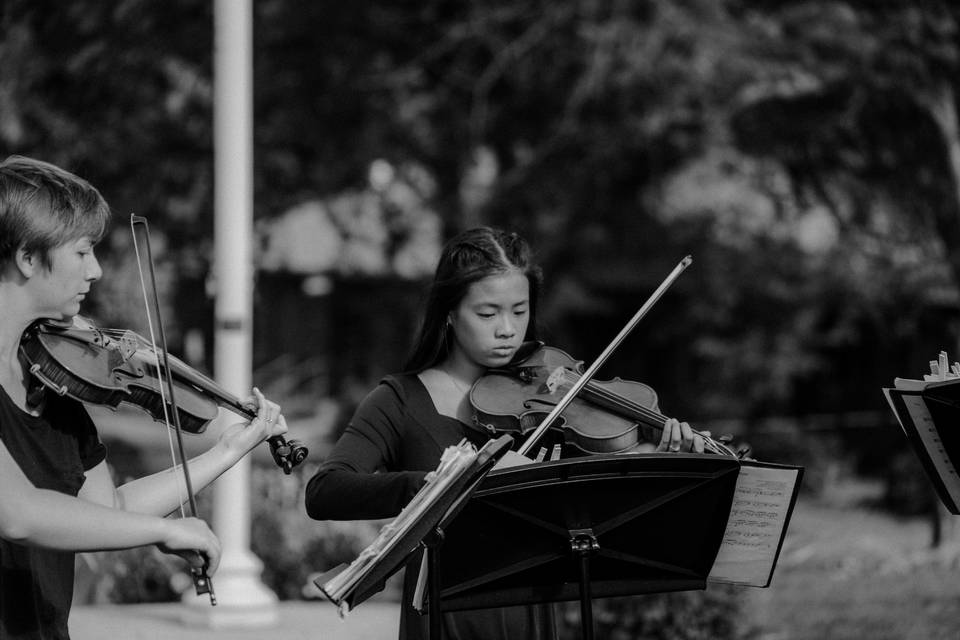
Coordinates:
(57, 495)
(481, 307)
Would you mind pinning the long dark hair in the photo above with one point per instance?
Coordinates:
(470, 256)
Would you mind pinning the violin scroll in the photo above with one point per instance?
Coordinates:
(287, 454)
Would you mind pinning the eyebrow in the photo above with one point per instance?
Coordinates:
(497, 306)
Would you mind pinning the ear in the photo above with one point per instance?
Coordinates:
(27, 262)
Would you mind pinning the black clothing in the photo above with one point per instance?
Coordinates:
(379, 463)
(53, 450)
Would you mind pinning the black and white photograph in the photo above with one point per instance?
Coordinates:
(480, 320)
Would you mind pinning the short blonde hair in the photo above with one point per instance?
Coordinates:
(43, 207)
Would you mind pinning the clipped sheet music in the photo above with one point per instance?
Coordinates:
(459, 466)
(763, 502)
(453, 463)
(924, 409)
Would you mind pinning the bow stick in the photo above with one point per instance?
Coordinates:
(201, 581)
(589, 373)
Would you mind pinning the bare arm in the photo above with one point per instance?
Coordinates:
(40, 517)
(164, 492)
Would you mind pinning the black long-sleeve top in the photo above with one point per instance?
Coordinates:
(393, 440)
(379, 463)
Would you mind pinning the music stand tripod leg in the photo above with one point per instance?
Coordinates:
(431, 543)
(584, 544)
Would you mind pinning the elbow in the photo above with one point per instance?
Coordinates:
(315, 500)
(15, 525)
(13, 532)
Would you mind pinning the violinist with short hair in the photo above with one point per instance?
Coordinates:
(480, 308)
(57, 496)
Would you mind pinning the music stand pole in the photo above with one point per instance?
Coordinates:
(584, 544)
(431, 543)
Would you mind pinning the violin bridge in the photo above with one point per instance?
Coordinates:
(128, 345)
(555, 379)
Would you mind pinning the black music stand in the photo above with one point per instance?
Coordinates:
(598, 526)
(929, 417)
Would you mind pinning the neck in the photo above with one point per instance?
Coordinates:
(462, 368)
(13, 322)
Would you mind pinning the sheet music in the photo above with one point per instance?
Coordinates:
(921, 423)
(453, 463)
(762, 502)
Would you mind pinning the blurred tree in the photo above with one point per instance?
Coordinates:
(804, 152)
(860, 107)
(119, 93)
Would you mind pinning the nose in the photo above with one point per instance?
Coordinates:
(507, 327)
(93, 269)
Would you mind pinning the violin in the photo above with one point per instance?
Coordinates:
(112, 366)
(613, 416)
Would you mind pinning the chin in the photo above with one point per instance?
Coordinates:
(494, 362)
(66, 314)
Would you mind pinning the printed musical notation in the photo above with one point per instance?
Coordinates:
(762, 503)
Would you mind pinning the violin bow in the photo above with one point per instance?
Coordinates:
(201, 581)
(589, 373)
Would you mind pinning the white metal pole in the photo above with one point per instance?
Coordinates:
(243, 599)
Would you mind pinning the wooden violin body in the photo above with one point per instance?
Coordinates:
(110, 367)
(91, 365)
(606, 417)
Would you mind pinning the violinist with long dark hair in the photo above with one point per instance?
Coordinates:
(481, 307)
(57, 496)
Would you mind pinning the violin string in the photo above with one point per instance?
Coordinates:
(143, 345)
(149, 351)
(656, 420)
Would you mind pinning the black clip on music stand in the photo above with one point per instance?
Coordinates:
(426, 532)
(632, 524)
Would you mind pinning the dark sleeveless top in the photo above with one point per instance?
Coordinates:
(54, 450)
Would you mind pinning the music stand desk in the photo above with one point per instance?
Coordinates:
(602, 525)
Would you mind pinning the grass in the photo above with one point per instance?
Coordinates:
(848, 572)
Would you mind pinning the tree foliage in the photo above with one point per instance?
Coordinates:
(804, 152)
